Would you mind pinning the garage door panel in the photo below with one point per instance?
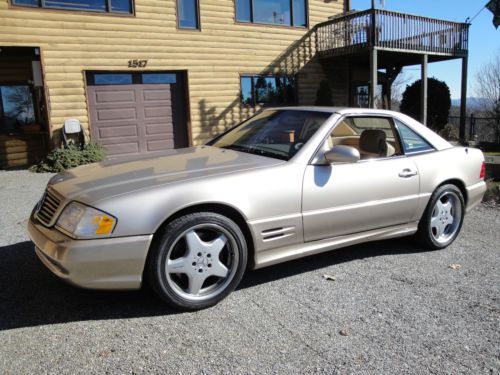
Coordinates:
(157, 103)
(116, 114)
(155, 112)
(162, 92)
(160, 144)
(102, 106)
(117, 123)
(155, 129)
(115, 96)
(116, 149)
(118, 131)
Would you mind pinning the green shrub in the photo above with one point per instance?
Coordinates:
(438, 102)
(492, 194)
(449, 132)
(61, 159)
(324, 94)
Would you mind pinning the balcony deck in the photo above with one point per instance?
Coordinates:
(406, 35)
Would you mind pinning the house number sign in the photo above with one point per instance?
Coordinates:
(137, 63)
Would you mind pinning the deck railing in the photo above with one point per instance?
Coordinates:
(391, 31)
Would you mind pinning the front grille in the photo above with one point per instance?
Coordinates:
(48, 208)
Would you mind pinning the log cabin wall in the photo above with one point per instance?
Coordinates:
(73, 42)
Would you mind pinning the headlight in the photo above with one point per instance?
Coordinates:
(85, 222)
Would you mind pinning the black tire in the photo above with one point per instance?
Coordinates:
(189, 244)
(428, 233)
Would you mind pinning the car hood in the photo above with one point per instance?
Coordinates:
(94, 182)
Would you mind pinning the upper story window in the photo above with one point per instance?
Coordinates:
(105, 6)
(274, 12)
(188, 14)
(268, 89)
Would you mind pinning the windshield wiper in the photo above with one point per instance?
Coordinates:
(255, 151)
(238, 148)
(269, 154)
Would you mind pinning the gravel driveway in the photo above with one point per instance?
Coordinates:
(393, 308)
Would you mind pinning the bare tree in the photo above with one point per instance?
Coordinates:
(487, 86)
(398, 87)
(396, 92)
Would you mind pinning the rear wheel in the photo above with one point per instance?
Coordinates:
(443, 217)
(199, 259)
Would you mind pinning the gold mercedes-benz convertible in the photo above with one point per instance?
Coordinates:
(287, 183)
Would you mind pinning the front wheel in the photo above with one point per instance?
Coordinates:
(443, 218)
(199, 259)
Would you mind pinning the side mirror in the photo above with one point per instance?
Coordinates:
(342, 154)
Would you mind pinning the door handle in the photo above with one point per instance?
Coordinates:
(405, 173)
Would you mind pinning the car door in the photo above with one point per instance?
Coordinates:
(381, 190)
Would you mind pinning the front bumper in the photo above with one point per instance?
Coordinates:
(109, 263)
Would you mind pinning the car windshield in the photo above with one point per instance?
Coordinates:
(274, 133)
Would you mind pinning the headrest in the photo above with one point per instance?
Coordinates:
(373, 141)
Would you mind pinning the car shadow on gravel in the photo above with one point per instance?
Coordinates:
(329, 258)
(31, 296)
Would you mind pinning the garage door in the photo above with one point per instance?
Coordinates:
(137, 113)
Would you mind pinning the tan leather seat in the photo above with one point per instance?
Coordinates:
(373, 144)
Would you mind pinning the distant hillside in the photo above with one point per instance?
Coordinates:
(472, 102)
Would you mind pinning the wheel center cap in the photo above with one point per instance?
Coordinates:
(444, 217)
(202, 261)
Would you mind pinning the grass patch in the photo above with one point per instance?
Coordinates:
(492, 153)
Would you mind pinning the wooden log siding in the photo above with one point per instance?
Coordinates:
(72, 42)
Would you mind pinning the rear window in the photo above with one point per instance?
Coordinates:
(412, 142)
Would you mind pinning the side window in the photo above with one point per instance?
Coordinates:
(412, 142)
(267, 89)
(373, 137)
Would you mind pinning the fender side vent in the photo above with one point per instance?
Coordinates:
(275, 233)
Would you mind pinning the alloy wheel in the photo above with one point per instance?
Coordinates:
(446, 217)
(201, 262)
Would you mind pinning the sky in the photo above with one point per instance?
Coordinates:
(484, 40)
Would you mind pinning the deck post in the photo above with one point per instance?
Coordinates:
(373, 76)
(423, 90)
(347, 6)
(463, 99)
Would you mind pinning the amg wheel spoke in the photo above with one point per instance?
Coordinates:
(216, 246)
(194, 242)
(450, 220)
(434, 221)
(219, 269)
(440, 206)
(439, 228)
(447, 206)
(196, 283)
(179, 265)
